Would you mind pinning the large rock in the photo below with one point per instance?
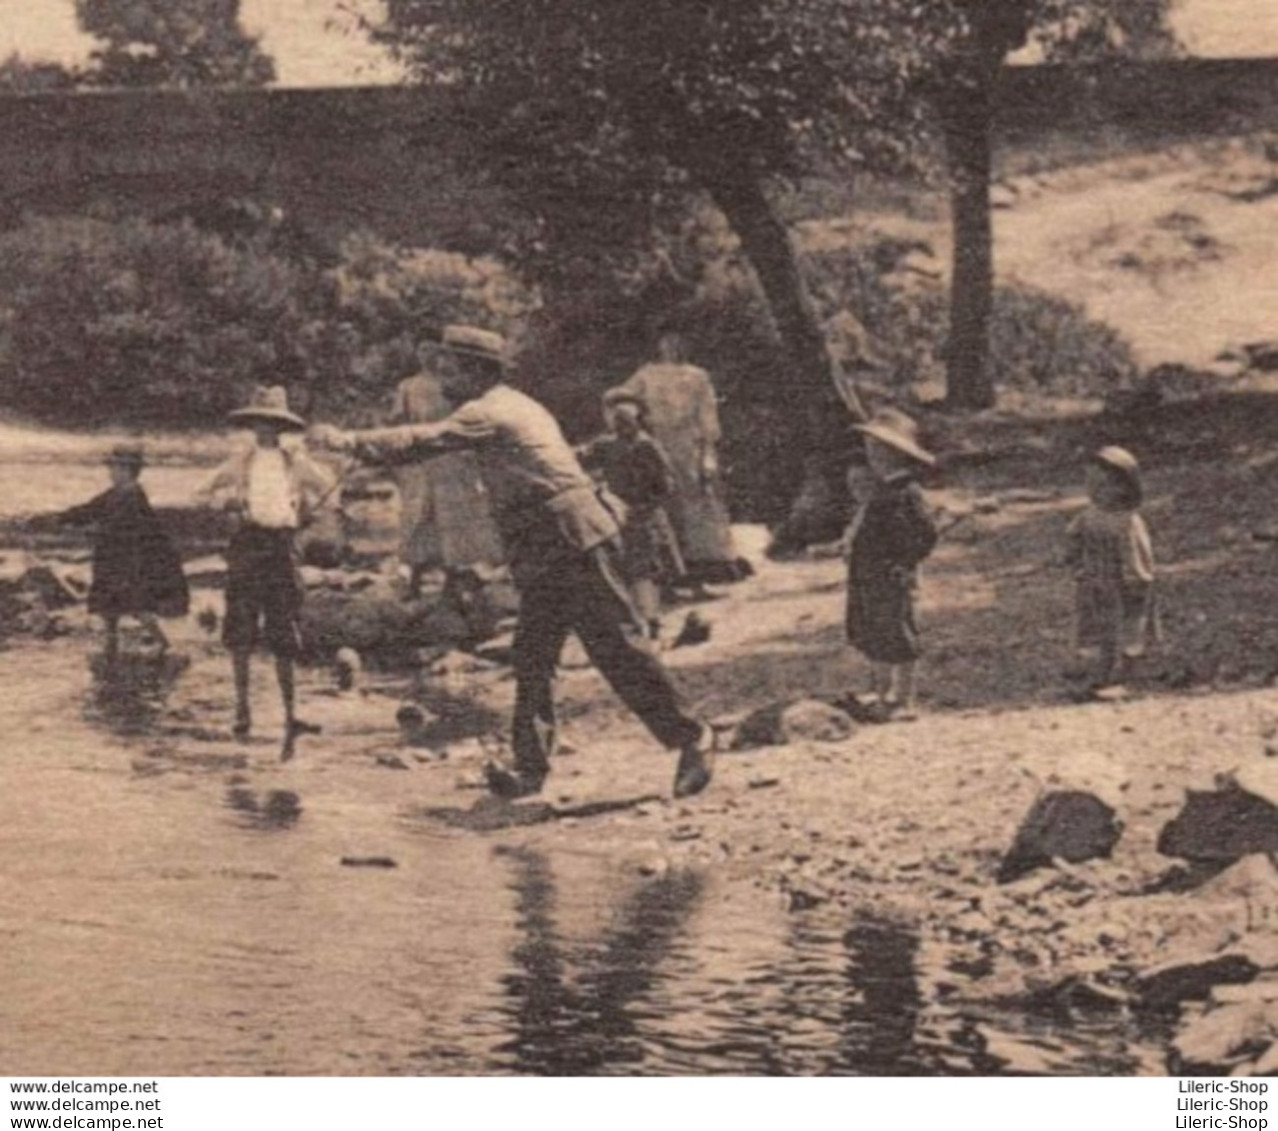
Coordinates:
(31, 594)
(1066, 824)
(1252, 885)
(1262, 356)
(388, 631)
(1223, 1037)
(807, 720)
(1165, 987)
(1220, 825)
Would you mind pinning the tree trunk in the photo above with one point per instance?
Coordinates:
(819, 510)
(969, 142)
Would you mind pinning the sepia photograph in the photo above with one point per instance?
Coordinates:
(648, 538)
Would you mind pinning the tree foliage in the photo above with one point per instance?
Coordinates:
(171, 43)
(599, 113)
(1092, 30)
(30, 76)
(133, 322)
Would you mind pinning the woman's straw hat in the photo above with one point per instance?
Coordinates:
(269, 405)
(892, 427)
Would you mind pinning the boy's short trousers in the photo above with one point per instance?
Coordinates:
(263, 590)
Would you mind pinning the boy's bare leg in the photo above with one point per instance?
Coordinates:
(903, 686)
(416, 572)
(881, 681)
(243, 717)
(647, 602)
(288, 693)
(294, 727)
(1110, 655)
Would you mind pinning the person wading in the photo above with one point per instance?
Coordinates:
(273, 490)
(563, 544)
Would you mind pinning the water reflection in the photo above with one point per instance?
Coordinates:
(278, 809)
(590, 1024)
(848, 1003)
(746, 989)
(129, 691)
(882, 1000)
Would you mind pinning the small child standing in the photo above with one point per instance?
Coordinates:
(273, 490)
(634, 467)
(1109, 550)
(137, 570)
(891, 534)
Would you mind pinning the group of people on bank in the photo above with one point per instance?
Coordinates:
(658, 459)
(487, 475)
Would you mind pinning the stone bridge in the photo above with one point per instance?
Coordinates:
(337, 159)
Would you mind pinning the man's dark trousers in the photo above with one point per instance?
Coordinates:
(569, 590)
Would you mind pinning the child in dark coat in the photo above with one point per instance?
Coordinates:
(891, 534)
(634, 467)
(137, 570)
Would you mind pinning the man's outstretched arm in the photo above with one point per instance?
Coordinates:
(405, 443)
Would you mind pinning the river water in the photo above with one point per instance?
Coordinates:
(171, 903)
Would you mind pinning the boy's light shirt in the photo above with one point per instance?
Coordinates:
(270, 500)
(306, 485)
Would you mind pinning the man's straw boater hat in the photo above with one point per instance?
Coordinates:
(893, 428)
(269, 406)
(471, 341)
(1126, 468)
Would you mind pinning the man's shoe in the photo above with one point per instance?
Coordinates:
(696, 765)
(509, 784)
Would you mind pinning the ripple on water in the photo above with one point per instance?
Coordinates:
(227, 937)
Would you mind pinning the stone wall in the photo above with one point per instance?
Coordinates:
(375, 157)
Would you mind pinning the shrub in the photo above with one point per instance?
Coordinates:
(140, 323)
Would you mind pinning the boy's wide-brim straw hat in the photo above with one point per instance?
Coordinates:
(471, 341)
(892, 427)
(127, 455)
(269, 405)
(1125, 466)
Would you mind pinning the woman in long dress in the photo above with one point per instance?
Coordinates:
(683, 415)
(446, 522)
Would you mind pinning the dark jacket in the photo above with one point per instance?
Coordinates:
(892, 534)
(136, 567)
(636, 471)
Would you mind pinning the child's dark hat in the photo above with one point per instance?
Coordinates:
(127, 455)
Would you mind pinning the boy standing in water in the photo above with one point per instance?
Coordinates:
(137, 570)
(273, 490)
